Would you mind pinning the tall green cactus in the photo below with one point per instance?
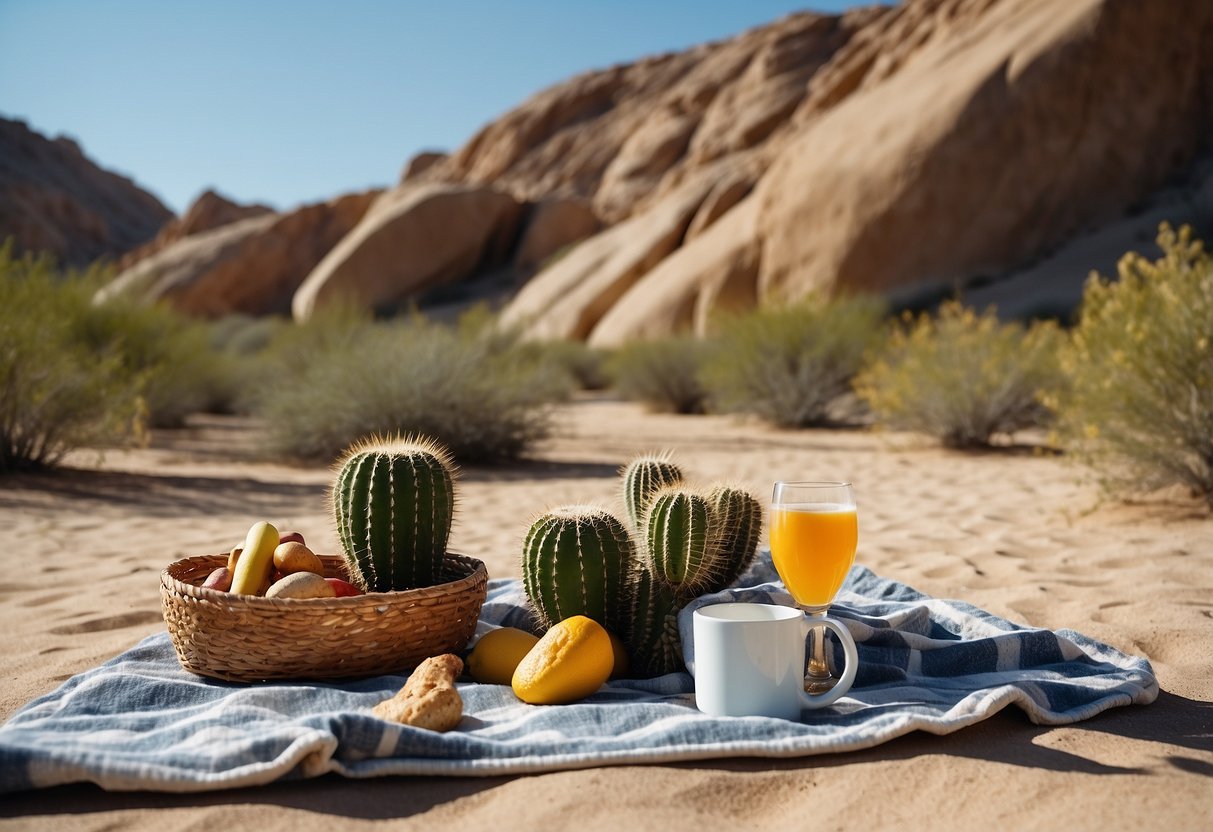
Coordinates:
(679, 551)
(736, 530)
(394, 500)
(578, 560)
(643, 477)
(582, 561)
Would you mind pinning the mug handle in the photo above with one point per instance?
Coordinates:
(822, 700)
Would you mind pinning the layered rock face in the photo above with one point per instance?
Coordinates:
(252, 266)
(54, 199)
(209, 210)
(909, 150)
(944, 140)
(413, 240)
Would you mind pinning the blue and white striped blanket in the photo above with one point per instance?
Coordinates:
(139, 722)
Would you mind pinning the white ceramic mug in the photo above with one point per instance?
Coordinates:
(750, 660)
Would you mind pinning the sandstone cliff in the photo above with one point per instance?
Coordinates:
(54, 198)
(252, 266)
(944, 141)
(210, 210)
(911, 150)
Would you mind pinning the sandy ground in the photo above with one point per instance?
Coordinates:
(1016, 532)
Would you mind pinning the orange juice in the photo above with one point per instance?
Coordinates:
(813, 546)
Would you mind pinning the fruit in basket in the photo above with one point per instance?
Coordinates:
(233, 557)
(497, 654)
(220, 579)
(394, 501)
(291, 537)
(301, 585)
(570, 662)
(256, 562)
(293, 556)
(577, 560)
(343, 589)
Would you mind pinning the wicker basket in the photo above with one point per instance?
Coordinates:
(247, 638)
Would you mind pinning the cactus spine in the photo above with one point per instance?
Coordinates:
(643, 477)
(394, 500)
(578, 560)
(679, 552)
(737, 528)
(690, 543)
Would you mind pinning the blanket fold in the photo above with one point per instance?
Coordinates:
(140, 722)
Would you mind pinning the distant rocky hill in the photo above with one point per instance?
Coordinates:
(997, 147)
(54, 198)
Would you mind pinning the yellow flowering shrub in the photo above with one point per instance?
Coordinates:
(1139, 407)
(963, 377)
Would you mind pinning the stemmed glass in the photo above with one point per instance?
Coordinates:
(814, 532)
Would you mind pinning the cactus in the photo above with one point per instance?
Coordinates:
(582, 561)
(394, 500)
(654, 644)
(735, 532)
(578, 560)
(676, 531)
(643, 477)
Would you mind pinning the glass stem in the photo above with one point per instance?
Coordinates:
(818, 675)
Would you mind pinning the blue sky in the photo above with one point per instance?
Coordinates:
(290, 102)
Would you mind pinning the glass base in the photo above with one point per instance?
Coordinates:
(819, 685)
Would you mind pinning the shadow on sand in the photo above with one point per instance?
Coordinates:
(159, 494)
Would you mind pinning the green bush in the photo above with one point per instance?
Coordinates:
(171, 355)
(57, 390)
(964, 377)
(583, 365)
(793, 366)
(338, 379)
(662, 373)
(1139, 407)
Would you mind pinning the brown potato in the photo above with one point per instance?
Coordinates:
(291, 557)
(301, 585)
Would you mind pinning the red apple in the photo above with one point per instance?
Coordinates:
(291, 537)
(220, 579)
(344, 589)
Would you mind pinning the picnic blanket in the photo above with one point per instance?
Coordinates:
(140, 722)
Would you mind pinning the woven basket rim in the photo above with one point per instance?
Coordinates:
(473, 572)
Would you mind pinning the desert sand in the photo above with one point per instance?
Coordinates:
(1017, 532)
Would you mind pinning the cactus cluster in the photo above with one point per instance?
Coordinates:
(682, 543)
(394, 501)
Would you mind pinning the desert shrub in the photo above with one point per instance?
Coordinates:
(584, 366)
(169, 353)
(662, 373)
(963, 377)
(1139, 406)
(793, 366)
(57, 391)
(470, 387)
(243, 335)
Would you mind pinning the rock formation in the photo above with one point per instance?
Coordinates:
(252, 266)
(209, 210)
(53, 198)
(412, 240)
(938, 142)
(910, 150)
